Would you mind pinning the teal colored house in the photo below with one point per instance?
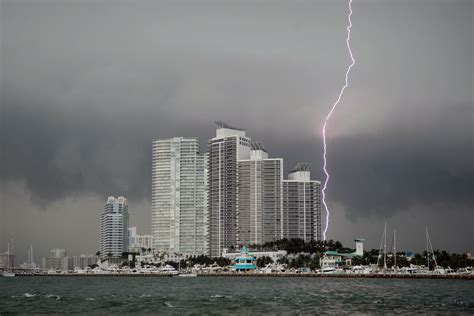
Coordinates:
(244, 262)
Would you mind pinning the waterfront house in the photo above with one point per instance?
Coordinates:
(245, 261)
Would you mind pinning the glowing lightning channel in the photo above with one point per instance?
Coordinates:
(329, 116)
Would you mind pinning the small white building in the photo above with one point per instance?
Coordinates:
(82, 262)
(359, 247)
(332, 259)
(56, 264)
(274, 255)
(58, 261)
(139, 241)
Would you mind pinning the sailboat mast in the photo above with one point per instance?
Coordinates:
(385, 247)
(8, 255)
(380, 251)
(394, 249)
(427, 250)
(431, 248)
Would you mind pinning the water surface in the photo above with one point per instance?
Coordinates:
(233, 295)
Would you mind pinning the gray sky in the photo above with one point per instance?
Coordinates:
(86, 85)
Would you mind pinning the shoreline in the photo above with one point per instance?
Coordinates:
(269, 275)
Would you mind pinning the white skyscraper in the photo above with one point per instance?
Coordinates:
(260, 207)
(114, 227)
(301, 205)
(179, 205)
(228, 146)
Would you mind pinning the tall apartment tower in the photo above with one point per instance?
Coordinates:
(301, 205)
(114, 227)
(179, 205)
(225, 150)
(260, 204)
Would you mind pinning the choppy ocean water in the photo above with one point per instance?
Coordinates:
(233, 295)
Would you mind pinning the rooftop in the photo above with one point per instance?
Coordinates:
(301, 166)
(258, 146)
(221, 124)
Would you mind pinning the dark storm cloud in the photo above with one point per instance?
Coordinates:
(383, 173)
(86, 86)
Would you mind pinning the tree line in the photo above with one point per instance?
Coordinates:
(309, 253)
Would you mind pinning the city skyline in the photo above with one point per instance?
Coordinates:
(400, 144)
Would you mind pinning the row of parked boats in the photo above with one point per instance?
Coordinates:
(413, 269)
(169, 270)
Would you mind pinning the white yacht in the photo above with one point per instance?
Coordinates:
(464, 271)
(329, 269)
(167, 269)
(8, 274)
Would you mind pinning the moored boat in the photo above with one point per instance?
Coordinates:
(8, 274)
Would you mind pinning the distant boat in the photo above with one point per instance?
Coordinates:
(329, 269)
(8, 274)
(188, 275)
(168, 269)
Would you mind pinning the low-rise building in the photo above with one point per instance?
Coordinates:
(332, 259)
(274, 255)
(58, 261)
(139, 241)
(244, 261)
(56, 264)
(81, 262)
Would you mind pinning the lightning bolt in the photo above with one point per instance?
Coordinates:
(329, 116)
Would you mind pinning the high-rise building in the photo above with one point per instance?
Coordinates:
(260, 205)
(301, 205)
(114, 227)
(179, 205)
(228, 146)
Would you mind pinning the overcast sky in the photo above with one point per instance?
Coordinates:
(86, 86)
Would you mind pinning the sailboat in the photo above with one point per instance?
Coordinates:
(8, 272)
(430, 251)
(394, 267)
(383, 245)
